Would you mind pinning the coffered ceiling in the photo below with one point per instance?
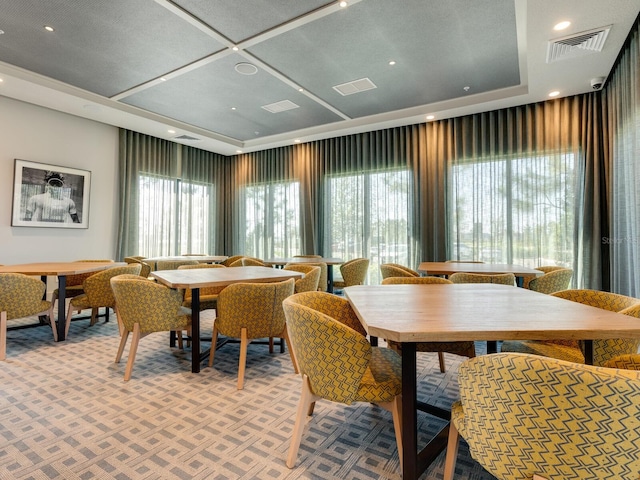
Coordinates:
(238, 76)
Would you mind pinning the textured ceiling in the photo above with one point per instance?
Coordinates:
(171, 64)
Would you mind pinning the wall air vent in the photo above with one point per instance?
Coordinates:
(356, 86)
(186, 138)
(578, 44)
(282, 106)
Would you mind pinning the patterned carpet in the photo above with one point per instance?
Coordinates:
(66, 413)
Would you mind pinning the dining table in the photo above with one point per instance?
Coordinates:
(198, 278)
(449, 268)
(469, 312)
(60, 270)
(329, 261)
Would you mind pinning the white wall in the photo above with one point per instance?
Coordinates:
(37, 134)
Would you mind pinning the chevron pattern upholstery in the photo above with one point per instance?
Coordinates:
(552, 282)
(232, 259)
(543, 268)
(323, 281)
(146, 268)
(174, 264)
(21, 296)
(573, 350)
(145, 307)
(98, 292)
(73, 285)
(252, 262)
(548, 417)
(250, 311)
(500, 279)
(396, 270)
(208, 295)
(464, 349)
(309, 283)
(628, 362)
(354, 272)
(338, 364)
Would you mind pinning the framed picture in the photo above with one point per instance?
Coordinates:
(50, 196)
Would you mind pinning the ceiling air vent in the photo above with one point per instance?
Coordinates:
(282, 106)
(186, 138)
(577, 44)
(355, 86)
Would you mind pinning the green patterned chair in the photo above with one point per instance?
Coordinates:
(145, 307)
(20, 297)
(208, 295)
(338, 364)
(354, 272)
(98, 292)
(250, 311)
(464, 349)
(73, 286)
(396, 270)
(500, 278)
(552, 282)
(524, 415)
(309, 283)
(573, 350)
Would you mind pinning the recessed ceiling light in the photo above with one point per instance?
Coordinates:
(163, 79)
(392, 62)
(234, 48)
(1, 32)
(1, 80)
(238, 151)
(301, 89)
(430, 117)
(171, 131)
(555, 93)
(296, 141)
(48, 28)
(561, 25)
(343, 4)
(245, 68)
(233, 108)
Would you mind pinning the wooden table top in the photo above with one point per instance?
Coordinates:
(415, 313)
(219, 277)
(58, 268)
(449, 268)
(178, 258)
(284, 261)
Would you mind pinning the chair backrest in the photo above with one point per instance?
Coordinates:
(501, 278)
(205, 290)
(396, 270)
(334, 373)
(254, 306)
(324, 278)
(232, 259)
(21, 295)
(606, 349)
(628, 362)
(332, 305)
(613, 302)
(78, 279)
(354, 272)
(174, 264)
(415, 280)
(309, 283)
(307, 256)
(553, 281)
(252, 262)
(464, 261)
(155, 307)
(97, 287)
(549, 417)
(145, 269)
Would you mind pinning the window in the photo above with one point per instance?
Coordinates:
(175, 217)
(518, 210)
(272, 216)
(369, 215)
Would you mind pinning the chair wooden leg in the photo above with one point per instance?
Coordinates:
(244, 343)
(270, 344)
(179, 336)
(395, 407)
(52, 322)
(214, 343)
(70, 311)
(135, 340)
(3, 335)
(94, 316)
(441, 361)
(123, 342)
(291, 352)
(307, 399)
(452, 452)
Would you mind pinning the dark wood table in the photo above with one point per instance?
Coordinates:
(61, 270)
(330, 261)
(469, 312)
(198, 278)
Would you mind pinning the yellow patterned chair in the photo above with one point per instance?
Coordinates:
(309, 283)
(73, 286)
(232, 259)
(500, 279)
(208, 295)
(250, 311)
(323, 280)
(174, 264)
(573, 350)
(552, 282)
(145, 268)
(354, 272)
(145, 307)
(20, 297)
(630, 361)
(252, 262)
(338, 364)
(543, 268)
(98, 292)
(464, 349)
(524, 415)
(396, 270)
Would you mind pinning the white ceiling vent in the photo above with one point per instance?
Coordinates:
(355, 86)
(282, 106)
(186, 138)
(577, 44)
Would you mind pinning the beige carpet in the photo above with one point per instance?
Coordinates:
(66, 413)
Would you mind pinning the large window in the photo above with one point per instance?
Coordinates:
(272, 216)
(514, 210)
(175, 217)
(369, 215)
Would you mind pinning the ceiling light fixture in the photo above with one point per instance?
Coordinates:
(301, 89)
(555, 93)
(163, 79)
(343, 4)
(48, 28)
(171, 131)
(234, 48)
(238, 151)
(430, 117)
(392, 62)
(233, 108)
(245, 68)
(561, 25)
(296, 141)
(1, 32)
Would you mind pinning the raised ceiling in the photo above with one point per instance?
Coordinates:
(171, 68)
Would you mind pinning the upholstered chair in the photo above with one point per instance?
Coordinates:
(252, 262)
(544, 269)
(465, 349)
(396, 270)
(232, 259)
(338, 364)
(145, 268)
(74, 282)
(174, 264)
(146, 307)
(629, 361)
(250, 311)
(525, 416)
(354, 272)
(500, 279)
(552, 282)
(98, 292)
(20, 297)
(463, 261)
(208, 295)
(309, 283)
(323, 282)
(307, 256)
